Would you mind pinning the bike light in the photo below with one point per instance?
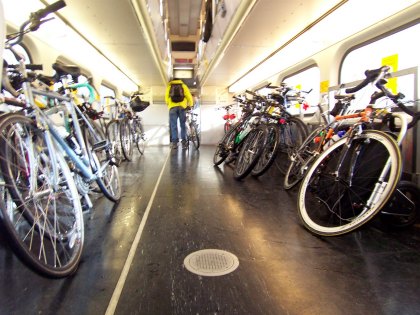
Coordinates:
(232, 116)
(282, 121)
(226, 117)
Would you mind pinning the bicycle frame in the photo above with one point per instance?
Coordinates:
(82, 162)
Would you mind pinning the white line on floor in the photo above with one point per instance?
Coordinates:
(124, 273)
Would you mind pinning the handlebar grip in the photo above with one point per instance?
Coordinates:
(34, 67)
(358, 87)
(50, 9)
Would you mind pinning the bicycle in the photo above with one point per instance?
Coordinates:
(351, 181)
(125, 128)
(241, 142)
(113, 132)
(227, 148)
(255, 138)
(45, 175)
(193, 133)
(292, 130)
(137, 130)
(228, 117)
(322, 137)
(283, 131)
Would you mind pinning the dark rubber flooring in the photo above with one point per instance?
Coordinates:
(283, 269)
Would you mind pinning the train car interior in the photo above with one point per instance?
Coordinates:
(294, 190)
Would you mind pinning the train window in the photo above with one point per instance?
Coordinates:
(396, 50)
(306, 80)
(125, 98)
(10, 58)
(106, 102)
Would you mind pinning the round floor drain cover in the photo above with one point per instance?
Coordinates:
(211, 262)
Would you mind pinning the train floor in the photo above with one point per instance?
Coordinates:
(176, 203)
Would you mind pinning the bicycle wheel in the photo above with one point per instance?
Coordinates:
(292, 135)
(250, 152)
(225, 145)
(301, 159)
(139, 136)
(126, 139)
(101, 161)
(194, 135)
(349, 183)
(42, 216)
(402, 209)
(113, 134)
(269, 152)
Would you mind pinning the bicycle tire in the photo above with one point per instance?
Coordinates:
(40, 210)
(113, 134)
(333, 201)
(126, 139)
(402, 209)
(250, 152)
(223, 148)
(269, 153)
(292, 135)
(301, 159)
(101, 162)
(139, 136)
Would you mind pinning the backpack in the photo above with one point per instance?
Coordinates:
(176, 93)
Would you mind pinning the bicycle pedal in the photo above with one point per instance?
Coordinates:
(99, 145)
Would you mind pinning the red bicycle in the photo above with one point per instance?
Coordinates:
(229, 117)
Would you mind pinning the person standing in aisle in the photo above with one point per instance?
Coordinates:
(178, 97)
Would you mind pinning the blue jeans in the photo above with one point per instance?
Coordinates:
(174, 114)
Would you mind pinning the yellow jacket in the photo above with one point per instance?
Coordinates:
(188, 99)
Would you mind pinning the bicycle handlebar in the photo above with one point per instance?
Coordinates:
(35, 20)
(40, 14)
(376, 76)
(27, 66)
(252, 93)
(86, 85)
(371, 76)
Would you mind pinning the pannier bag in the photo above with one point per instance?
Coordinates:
(176, 93)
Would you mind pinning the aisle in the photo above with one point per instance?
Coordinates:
(282, 268)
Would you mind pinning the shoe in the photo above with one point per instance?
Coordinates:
(174, 145)
(184, 145)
